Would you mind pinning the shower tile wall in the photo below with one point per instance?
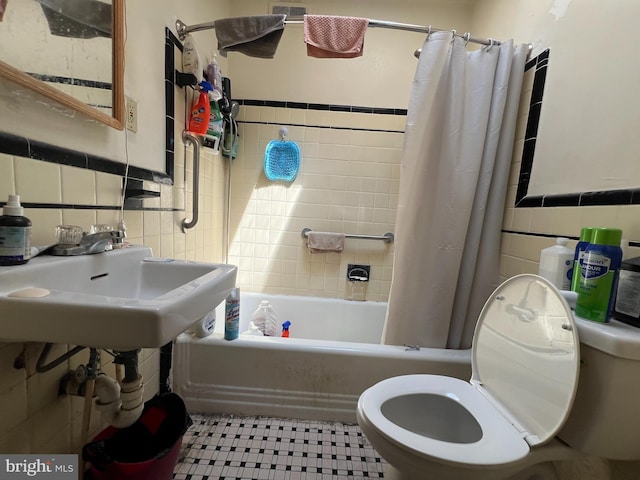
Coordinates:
(348, 182)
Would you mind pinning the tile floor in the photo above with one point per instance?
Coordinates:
(247, 448)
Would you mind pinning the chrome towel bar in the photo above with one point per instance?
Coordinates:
(388, 237)
(195, 141)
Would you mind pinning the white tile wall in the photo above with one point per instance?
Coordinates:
(348, 182)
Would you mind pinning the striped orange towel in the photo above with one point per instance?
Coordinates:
(334, 37)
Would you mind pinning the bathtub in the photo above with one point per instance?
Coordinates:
(332, 356)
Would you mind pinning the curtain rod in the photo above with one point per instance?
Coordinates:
(182, 29)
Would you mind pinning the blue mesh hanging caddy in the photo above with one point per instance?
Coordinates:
(282, 159)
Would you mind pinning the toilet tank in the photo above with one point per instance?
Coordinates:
(605, 418)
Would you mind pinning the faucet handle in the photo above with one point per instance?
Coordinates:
(118, 236)
(358, 273)
(100, 227)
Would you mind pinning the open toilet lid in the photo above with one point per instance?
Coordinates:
(526, 356)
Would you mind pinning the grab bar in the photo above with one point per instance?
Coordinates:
(195, 141)
(387, 237)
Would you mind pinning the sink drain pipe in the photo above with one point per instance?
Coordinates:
(121, 402)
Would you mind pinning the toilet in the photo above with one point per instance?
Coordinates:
(545, 386)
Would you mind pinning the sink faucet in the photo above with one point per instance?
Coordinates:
(92, 243)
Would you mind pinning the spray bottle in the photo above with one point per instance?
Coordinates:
(285, 329)
(232, 315)
(201, 111)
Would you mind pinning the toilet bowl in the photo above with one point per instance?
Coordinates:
(503, 422)
(448, 432)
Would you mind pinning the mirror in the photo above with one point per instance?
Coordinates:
(70, 51)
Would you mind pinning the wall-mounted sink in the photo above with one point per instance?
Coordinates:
(123, 299)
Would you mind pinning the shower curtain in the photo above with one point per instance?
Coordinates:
(453, 181)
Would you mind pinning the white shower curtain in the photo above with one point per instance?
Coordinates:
(453, 180)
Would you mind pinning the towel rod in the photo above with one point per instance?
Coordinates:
(388, 237)
(182, 29)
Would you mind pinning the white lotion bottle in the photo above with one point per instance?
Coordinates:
(205, 326)
(556, 262)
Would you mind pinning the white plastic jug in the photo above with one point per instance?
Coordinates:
(265, 319)
(556, 262)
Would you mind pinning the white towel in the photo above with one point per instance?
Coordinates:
(323, 242)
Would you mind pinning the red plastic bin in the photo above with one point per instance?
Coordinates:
(147, 450)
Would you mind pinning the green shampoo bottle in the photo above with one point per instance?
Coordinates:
(599, 275)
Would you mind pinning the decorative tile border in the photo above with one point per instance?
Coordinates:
(327, 127)
(171, 42)
(28, 148)
(25, 147)
(551, 235)
(78, 82)
(324, 107)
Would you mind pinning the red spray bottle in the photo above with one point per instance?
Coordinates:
(201, 111)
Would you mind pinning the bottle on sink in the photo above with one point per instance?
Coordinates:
(15, 233)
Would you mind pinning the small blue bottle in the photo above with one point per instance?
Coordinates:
(232, 315)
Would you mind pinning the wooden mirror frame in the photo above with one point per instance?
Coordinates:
(116, 119)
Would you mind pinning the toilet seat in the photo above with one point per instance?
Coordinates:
(525, 364)
(500, 442)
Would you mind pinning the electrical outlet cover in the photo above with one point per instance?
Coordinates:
(131, 114)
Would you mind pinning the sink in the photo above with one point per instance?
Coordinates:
(123, 300)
